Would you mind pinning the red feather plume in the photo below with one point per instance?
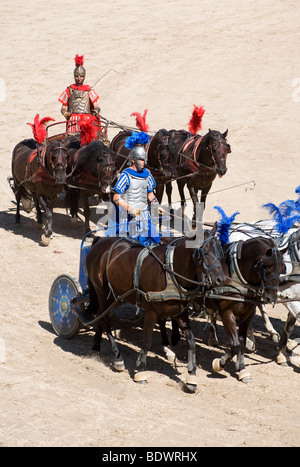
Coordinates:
(39, 128)
(79, 60)
(141, 120)
(88, 129)
(195, 122)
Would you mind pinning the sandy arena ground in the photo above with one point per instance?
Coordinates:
(240, 60)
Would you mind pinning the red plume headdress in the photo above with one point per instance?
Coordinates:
(195, 122)
(39, 128)
(79, 60)
(141, 121)
(88, 129)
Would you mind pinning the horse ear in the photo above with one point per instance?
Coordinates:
(225, 134)
(215, 228)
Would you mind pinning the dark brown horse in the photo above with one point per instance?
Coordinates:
(254, 267)
(39, 173)
(161, 156)
(200, 160)
(93, 173)
(111, 267)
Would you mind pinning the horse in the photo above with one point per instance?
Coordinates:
(161, 157)
(289, 286)
(162, 285)
(39, 173)
(253, 266)
(200, 159)
(93, 173)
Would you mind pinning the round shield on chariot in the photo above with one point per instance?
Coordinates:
(63, 317)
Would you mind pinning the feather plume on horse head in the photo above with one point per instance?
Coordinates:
(284, 222)
(136, 138)
(38, 128)
(88, 129)
(224, 225)
(195, 122)
(298, 200)
(79, 60)
(141, 120)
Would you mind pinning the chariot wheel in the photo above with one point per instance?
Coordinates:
(63, 317)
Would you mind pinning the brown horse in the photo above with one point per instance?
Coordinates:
(161, 156)
(111, 267)
(39, 173)
(200, 160)
(254, 267)
(93, 173)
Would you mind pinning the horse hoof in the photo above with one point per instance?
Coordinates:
(250, 345)
(74, 222)
(171, 356)
(119, 366)
(216, 365)
(191, 383)
(281, 359)
(45, 240)
(140, 377)
(245, 376)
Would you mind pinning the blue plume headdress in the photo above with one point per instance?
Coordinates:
(136, 138)
(282, 216)
(224, 225)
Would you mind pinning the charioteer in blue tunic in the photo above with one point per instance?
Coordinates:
(133, 193)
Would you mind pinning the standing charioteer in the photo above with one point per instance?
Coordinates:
(79, 100)
(133, 193)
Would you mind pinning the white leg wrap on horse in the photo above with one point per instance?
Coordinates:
(244, 374)
(45, 240)
(140, 377)
(191, 380)
(171, 356)
(281, 358)
(216, 365)
(119, 366)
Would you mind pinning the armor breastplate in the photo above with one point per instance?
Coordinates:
(136, 195)
(79, 102)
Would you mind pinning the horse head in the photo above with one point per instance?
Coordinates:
(208, 257)
(217, 148)
(56, 160)
(106, 169)
(162, 154)
(261, 264)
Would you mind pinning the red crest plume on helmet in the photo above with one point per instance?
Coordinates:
(39, 129)
(141, 121)
(79, 60)
(195, 122)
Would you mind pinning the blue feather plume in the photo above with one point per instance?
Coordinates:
(283, 223)
(297, 203)
(224, 225)
(136, 138)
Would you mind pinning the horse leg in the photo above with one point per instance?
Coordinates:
(204, 193)
(87, 213)
(219, 364)
(268, 325)
(244, 374)
(184, 325)
(169, 192)
(149, 322)
(194, 195)
(282, 358)
(46, 237)
(39, 215)
(18, 200)
(175, 337)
